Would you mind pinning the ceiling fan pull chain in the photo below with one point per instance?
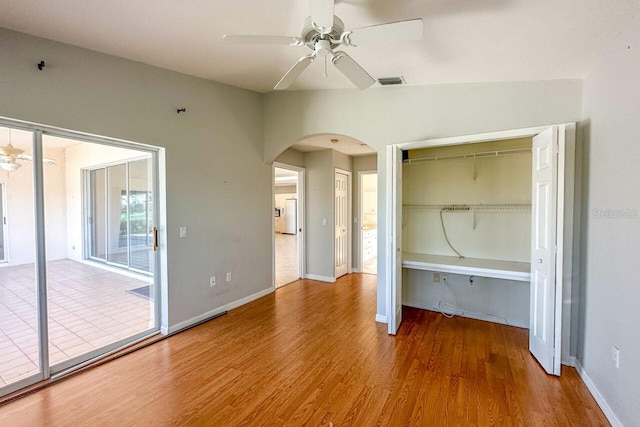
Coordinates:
(326, 74)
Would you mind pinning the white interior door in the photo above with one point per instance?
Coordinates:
(394, 191)
(543, 250)
(341, 222)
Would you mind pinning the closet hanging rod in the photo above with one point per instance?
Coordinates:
(478, 155)
(502, 207)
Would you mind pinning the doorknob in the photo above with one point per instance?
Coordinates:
(155, 239)
(539, 260)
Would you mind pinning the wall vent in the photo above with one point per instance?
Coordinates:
(386, 81)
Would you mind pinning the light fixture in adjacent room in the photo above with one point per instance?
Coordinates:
(9, 154)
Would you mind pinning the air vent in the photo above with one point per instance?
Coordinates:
(386, 81)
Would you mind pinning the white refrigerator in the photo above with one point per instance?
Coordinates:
(290, 216)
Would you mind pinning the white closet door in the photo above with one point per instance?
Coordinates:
(341, 218)
(394, 189)
(543, 249)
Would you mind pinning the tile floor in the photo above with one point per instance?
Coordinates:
(89, 307)
(286, 259)
(371, 266)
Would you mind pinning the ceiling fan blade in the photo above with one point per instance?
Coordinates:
(393, 31)
(352, 70)
(294, 72)
(322, 13)
(29, 158)
(284, 40)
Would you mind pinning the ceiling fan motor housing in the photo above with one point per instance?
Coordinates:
(311, 35)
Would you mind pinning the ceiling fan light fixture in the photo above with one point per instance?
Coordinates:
(10, 166)
(334, 140)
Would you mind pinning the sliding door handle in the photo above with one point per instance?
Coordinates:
(155, 239)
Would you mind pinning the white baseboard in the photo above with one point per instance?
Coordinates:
(321, 278)
(476, 316)
(608, 412)
(570, 361)
(381, 318)
(211, 313)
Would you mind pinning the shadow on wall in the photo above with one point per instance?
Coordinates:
(585, 144)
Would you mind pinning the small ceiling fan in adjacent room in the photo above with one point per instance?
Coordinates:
(322, 32)
(9, 156)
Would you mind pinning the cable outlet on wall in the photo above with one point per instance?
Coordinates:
(212, 281)
(228, 276)
(615, 356)
(445, 278)
(436, 277)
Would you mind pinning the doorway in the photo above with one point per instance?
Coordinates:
(59, 308)
(288, 215)
(368, 201)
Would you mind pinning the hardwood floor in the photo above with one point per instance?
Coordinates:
(311, 354)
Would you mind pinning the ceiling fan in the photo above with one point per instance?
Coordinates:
(322, 32)
(9, 154)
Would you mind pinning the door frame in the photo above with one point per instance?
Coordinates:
(4, 229)
(360, 233)
(160, 278)
(300, 208)
(565, 224)
(349, 175)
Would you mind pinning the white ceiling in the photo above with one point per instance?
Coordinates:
(280, 173)
(464, 40)
(345, 144)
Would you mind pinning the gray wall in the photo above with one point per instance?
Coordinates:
(610, 292)
(319, 199)
(291, 157)
(285, 189)
(383, 116)
(218, 184)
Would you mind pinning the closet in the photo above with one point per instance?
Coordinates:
(485, 230)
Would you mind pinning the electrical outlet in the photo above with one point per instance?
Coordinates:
(436, 277)
(445, 278)
(615, 356)
(228, 276)
(212, 281)
(183, 232)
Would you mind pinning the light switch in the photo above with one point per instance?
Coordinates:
(324, 221)
(183, 232)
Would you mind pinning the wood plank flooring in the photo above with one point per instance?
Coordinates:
(311, 354)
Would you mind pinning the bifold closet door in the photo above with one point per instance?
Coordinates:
(394, 310)
(543, 250)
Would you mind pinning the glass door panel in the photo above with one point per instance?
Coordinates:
(141, 254)
(19, 327)
(95, 308)
(97, 219)
(117, 215)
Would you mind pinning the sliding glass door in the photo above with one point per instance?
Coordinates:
(77, 250)
(119, 217)
(97, 214)
(21, 361)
